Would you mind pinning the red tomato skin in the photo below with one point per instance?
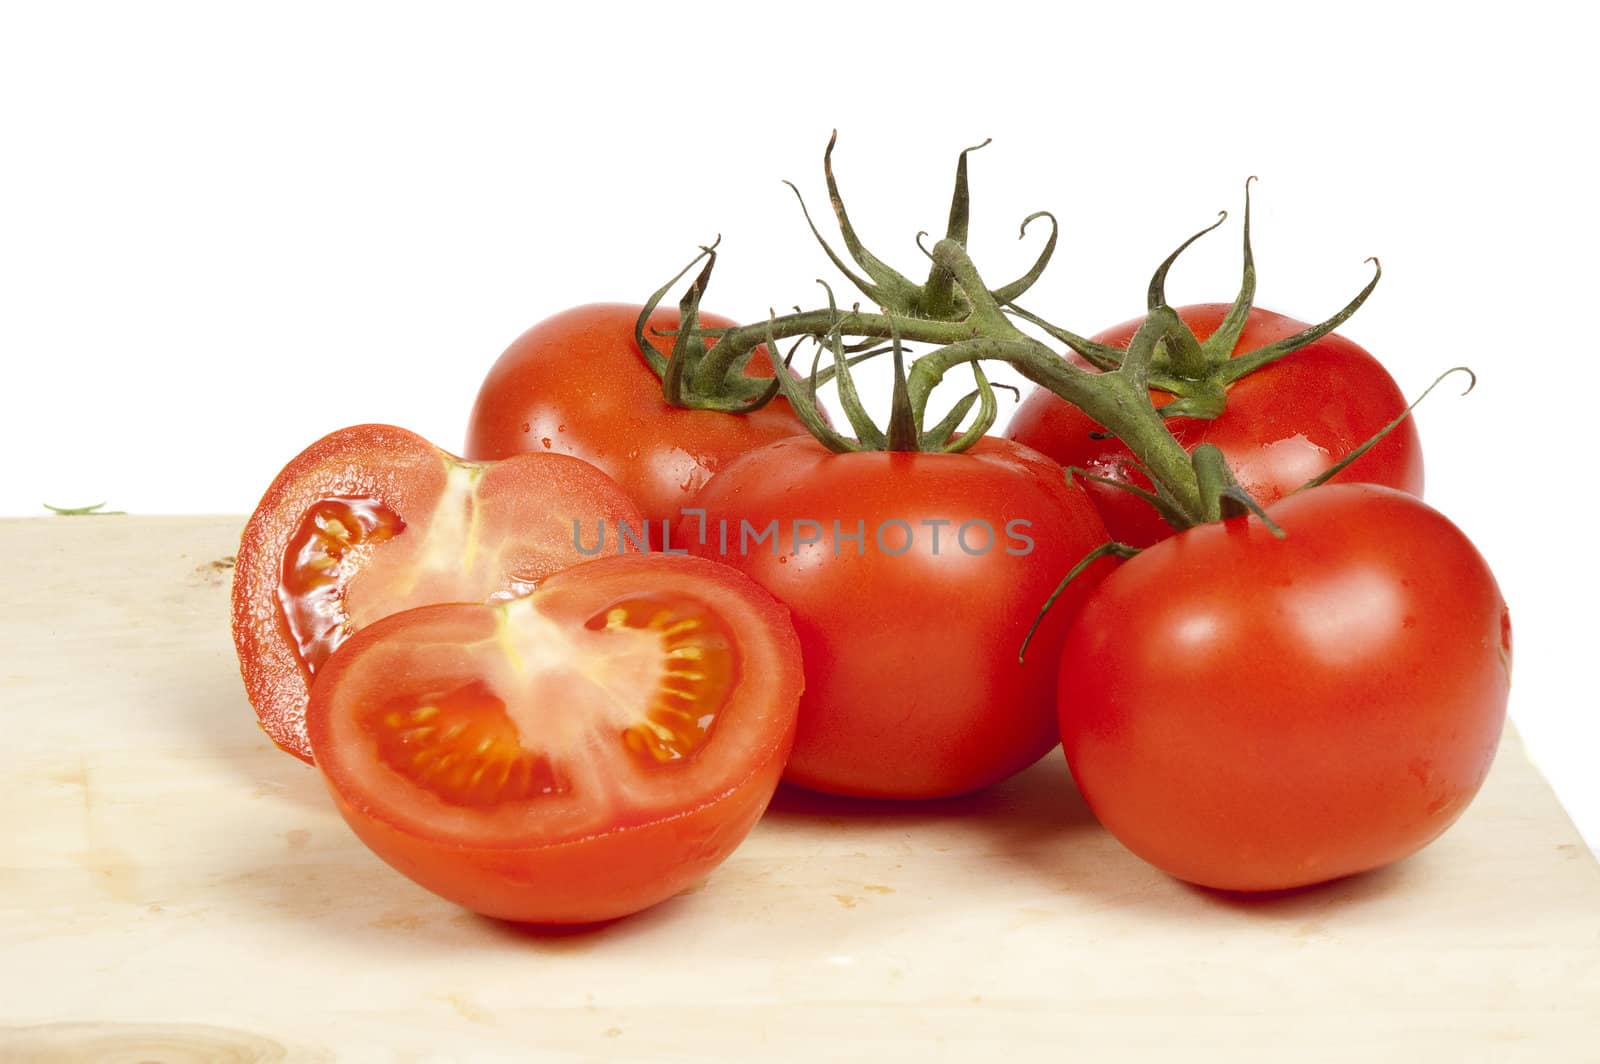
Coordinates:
(588, 881)
(1253, 714)
(1283, 424)
(576, 383)
(635, 863)
(405, 473)
(913, 689)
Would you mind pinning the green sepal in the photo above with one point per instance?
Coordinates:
(1101, 356)
(1343, 463)
(1220, 344)
(988, 410)
(1104, 550)
(1162, 504)
(805, 406)
(1235, 368)
(904, 432)
(1221, 494)
(1006, 293)
(1156, 294)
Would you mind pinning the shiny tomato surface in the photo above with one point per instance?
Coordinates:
(913, 580)
(577, 384)
(1284, 423)
(1253, 713)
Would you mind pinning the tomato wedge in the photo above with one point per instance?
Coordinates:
(568, 757)
(374, 519)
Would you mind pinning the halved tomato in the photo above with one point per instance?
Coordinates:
(373, 519)
(568, 757)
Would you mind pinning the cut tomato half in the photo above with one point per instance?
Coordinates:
(572, 756)
(373, 519)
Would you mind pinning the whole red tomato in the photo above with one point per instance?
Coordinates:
(1284, 423)
(912, 579)
(1253, 713)
(577, 384)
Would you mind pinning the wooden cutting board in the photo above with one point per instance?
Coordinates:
(172, 887)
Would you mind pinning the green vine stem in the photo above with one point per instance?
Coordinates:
(964, 321)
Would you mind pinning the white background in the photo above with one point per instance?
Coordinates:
(225, 231)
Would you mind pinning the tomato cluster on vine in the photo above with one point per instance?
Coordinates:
(557, 678)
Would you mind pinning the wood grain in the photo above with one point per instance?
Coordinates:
(170, 884)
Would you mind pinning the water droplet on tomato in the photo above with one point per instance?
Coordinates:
(526, 427)
(546, 441)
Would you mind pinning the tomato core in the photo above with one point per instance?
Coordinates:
(323, 553)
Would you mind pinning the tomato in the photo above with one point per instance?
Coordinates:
(374, 519)
(1284, 423)
(912, 579)
(577, 384)
(571, 756)
(1250, 713)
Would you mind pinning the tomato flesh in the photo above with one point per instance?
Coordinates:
(461, 745)
(490, 751)
(374, 519)
(322, 556)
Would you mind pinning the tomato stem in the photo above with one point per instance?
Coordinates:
(964, 321)
(95, 510)
(1224, 496)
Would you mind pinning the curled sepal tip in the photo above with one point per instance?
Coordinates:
(1344, 463)
(867, 431)
(865, 286)
(652, 354)
(960, 199)
(805, 405)
(889, 288)
(687, 346)
(935, 438)
(1015, 290)
(988, 410)
(1220, 344)
(940, 297)
(1235, 368)
(1105, 550)
(1157, 296)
